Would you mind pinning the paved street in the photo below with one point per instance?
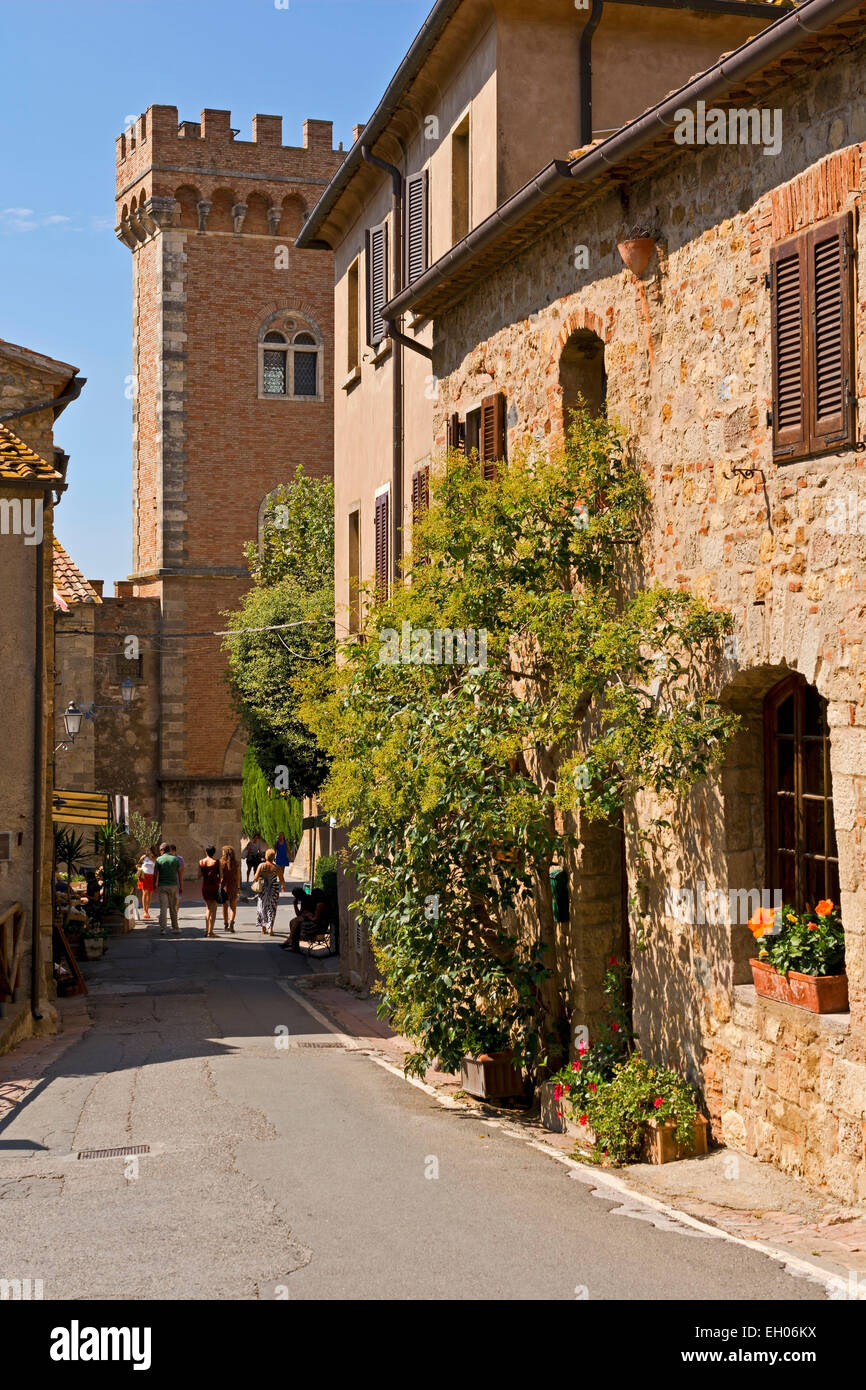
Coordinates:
(299, 1170)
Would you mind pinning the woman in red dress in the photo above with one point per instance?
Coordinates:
(146, 872)
(210, 882)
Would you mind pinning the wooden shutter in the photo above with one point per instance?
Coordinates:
(788, 276)
(382, 521)
(811, 281)
(377, 282)
(415, 239)
(420, 491)
(492, 434)
(830, 265)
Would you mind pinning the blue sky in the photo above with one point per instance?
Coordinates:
(72, 75)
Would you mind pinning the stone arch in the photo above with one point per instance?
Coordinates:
(233, 761)
(294, 215)
(256, 219)
(221, 217)
(187, 199)
(582, 375)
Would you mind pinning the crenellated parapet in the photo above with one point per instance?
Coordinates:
(198, 177)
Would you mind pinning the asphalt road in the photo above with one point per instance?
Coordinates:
(283, 1166)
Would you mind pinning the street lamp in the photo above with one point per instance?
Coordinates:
(127, 690)
(72, 719)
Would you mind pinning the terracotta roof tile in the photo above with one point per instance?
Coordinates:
(69, 583)
(19, 463)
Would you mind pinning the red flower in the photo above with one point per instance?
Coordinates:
(566, 1089)
(581, 1047)
(592, 1086)
(557, 1092)
(559, 1114)
(614, 1027)
(583, 1119)
(659, 1100)
(575, 1066)
(813, 926)
(613, 961)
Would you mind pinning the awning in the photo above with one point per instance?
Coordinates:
(82, 808)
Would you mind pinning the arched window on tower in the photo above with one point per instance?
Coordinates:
(290, 359)
(582, 376)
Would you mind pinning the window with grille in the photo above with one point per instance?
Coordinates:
(811, 287)
(802, 858)
(290, 363)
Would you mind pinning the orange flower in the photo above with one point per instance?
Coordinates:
(823, 908)
(762, 921)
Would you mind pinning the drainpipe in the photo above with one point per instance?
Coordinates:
(38, 774)
(586, 35)
(397, 368)
(55, 403)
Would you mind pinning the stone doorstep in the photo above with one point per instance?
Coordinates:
(761, 1203)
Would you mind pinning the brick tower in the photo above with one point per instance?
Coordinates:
(232, 389)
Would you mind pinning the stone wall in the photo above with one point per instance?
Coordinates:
(687, 356)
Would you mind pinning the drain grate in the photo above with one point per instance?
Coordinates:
(126, 1152)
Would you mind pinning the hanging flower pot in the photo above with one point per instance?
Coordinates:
(636, 253)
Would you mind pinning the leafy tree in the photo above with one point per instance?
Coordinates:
(447, 777)
(285, 625)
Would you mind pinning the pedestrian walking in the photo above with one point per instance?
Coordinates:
(254, 854)
(230, 885)
(269, 892)
(167, 871)
(210, 882)
(145, 884)
(282, 859)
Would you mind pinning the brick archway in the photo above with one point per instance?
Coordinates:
(584, 319)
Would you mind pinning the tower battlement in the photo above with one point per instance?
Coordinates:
(199, 176)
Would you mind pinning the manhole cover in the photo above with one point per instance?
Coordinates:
(126, 1152)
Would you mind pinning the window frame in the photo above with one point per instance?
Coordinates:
(796, 685)
(291, 349)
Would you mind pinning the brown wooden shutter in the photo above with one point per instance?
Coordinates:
(415, 239)
(377, 282)
(788, 286)
(381, 528)
(830, 263)
(492, 434)
(420, 491)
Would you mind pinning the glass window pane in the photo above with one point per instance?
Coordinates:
(305, 373)
(787, 835)
(785, 748)
(275, 373)
(786, 878)
(814, 827)
(785, 716)
(815, 712)
(813, 766)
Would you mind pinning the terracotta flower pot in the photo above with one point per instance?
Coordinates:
(661, 1146)
(491, 1076)
(820, 994)
(637, 253)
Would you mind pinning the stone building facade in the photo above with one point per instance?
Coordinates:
(780, 543)
(232, 375)
(34, 389)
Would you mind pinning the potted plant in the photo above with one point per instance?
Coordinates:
(643, 1113)
(489, 1070)
(636, 248)
(93, 938)
(801, 957)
